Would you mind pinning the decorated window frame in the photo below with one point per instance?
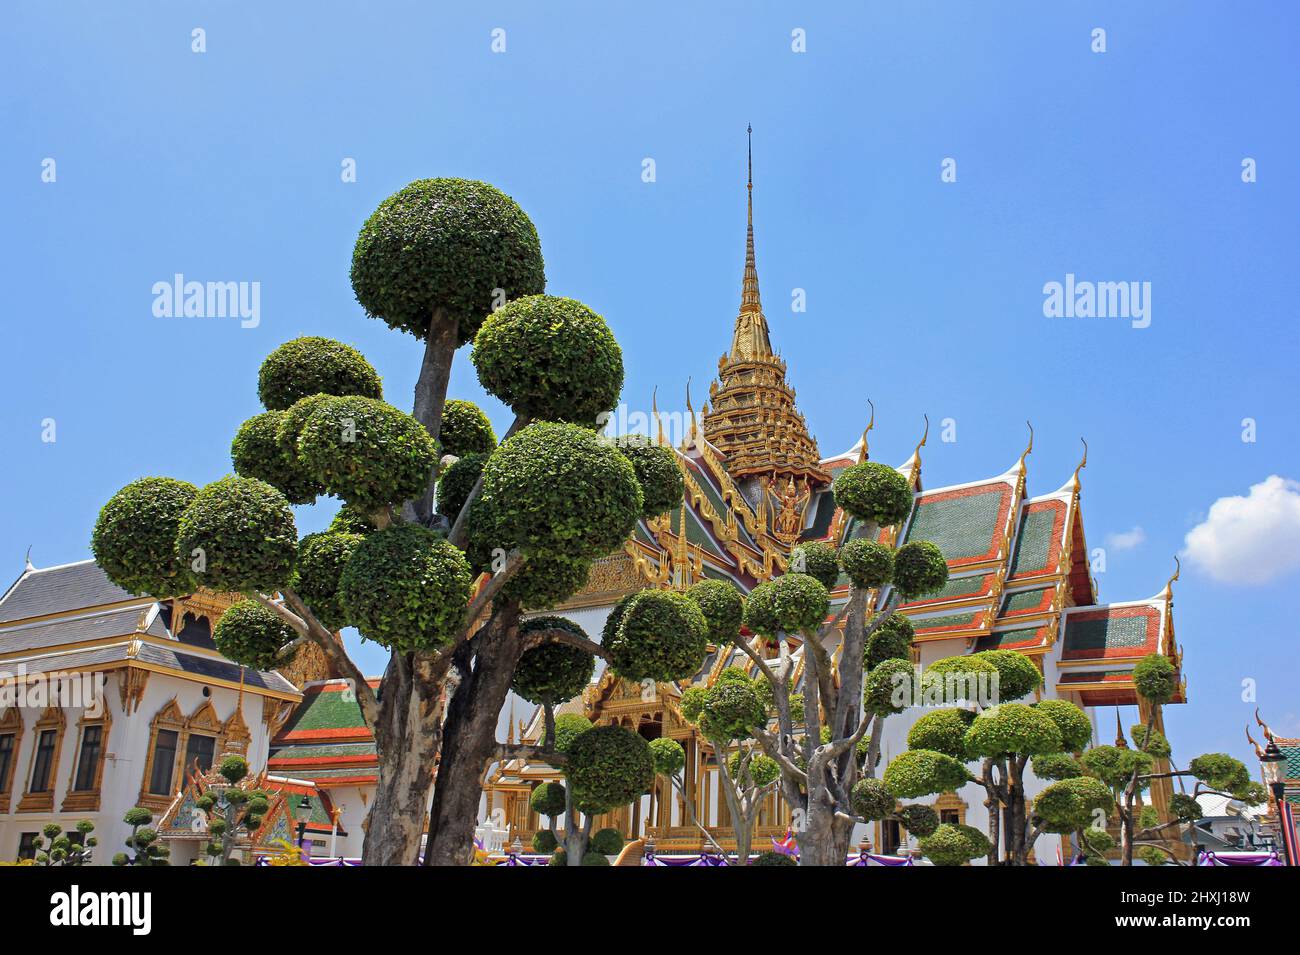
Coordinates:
(11, 724)
(52, 720)
(88, 799)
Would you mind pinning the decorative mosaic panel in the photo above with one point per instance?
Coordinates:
(965, 524)
(948, 622)
(1027, 601)
(1126, 632)
(1011, 639)
(1038, 539)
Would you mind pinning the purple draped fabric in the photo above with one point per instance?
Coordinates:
(1238, 858)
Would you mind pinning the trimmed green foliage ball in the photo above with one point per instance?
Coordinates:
(292, 420)
(800, 603)
(662, 636)
(1055, 766)
(608, 767)
(762, 769)
(316, 575)
(546, 580)
(548, 799)
(873, 492)
(134, 541)
(1072, 723)
(772, 858)
(406, 588)
(943, 731)
(954, 845)
(723, 608)
(608, 842)
(889, 687)
(869, 799)
(818, 560)
(594, 858)
(1115, 765)
(568, 727)
(560, 489)
(233, 768)
(869, 564)
(138, 816)
(550, 359)
(250, 634)
(656, 471)
(456, 482)
(1071, 804)
(733, 674)
(238, 534)
(465, 429)
(256, 453)
(367, 452)
(760, 610)
(919, 569)
(1156, 678)
(668, 755)
(692, 703)
(1220, 771)
(1150, 740)
(1185, 808)
(891, 641)
(731, 711)
(1013, 728)
(314, 366)
(552, 672)
(922, 772)
(453, 245)
(918, 819)
(1017, 675)
(954, 679)
(544, 842)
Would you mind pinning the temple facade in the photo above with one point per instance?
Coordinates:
(756, 486)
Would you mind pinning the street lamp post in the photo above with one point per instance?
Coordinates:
(1272, 761)
(302, 813)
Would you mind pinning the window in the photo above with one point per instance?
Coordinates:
(44, 761)
(164, 762)
(92, 739)
(27, 845)
(951, 817)
(201, 748)
(6, 760)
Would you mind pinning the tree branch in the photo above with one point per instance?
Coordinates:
(458, 529)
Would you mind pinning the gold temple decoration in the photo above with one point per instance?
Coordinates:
(752, 419)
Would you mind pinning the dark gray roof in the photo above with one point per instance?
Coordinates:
(59, 589)
(216, 669)
(54, 633)
(93, 656)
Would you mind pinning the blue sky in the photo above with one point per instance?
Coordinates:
(923, 295)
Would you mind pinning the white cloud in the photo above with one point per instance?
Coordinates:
(1127, 540)
(1252, 539)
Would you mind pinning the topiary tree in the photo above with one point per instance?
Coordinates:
(836, 739)
(1128, 773)
(449, 261)
(1002, 736)
(232, 812)
(145, 849)
(54, 847)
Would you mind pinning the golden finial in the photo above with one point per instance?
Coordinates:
(510, 723)
(1169, 585)
(1268, 733)
(1082, 464)
(1120, 742)
(870, 424)
(654, 409)
(1259, 753)
(925, 436)
(1029, 447)
(690, 411)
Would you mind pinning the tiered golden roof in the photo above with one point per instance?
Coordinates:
(753, 420)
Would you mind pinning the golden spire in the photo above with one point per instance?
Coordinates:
(1120, 742)
(750, 339)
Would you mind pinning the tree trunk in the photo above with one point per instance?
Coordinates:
(817, 840)
(430, 396)
(470, 737)
(406, 739)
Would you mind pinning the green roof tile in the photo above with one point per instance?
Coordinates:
(962, 524)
